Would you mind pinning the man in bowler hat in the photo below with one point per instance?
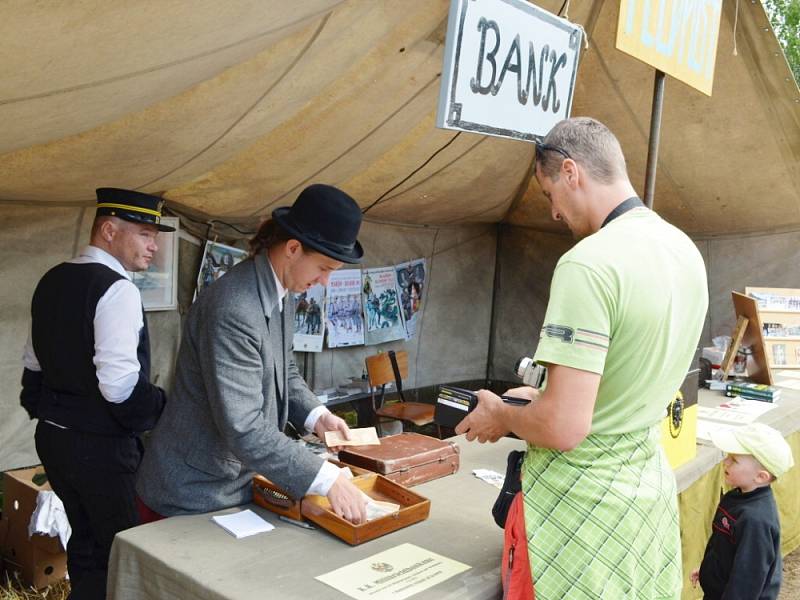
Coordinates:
(236, 383)
(86, 379)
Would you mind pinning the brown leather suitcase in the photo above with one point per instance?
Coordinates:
(406, 458)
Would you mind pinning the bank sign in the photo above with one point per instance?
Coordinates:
(509, 69)
(678, 37)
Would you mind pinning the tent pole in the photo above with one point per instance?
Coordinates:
(655, 135)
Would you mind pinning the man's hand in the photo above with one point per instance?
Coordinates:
(525, 392)
(695, 577)
(484, 422)
(330, 422)
(347, 500)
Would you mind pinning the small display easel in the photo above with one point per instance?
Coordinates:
(733, 348)
(749, 332)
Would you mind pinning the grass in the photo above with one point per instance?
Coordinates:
(12, 588)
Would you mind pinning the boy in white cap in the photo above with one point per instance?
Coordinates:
(743, 555)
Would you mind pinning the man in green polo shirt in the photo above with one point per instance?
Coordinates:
(626, 309)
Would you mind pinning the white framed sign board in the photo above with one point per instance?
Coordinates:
(509, 69)
(158, 284)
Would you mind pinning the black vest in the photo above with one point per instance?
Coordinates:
(63, 310)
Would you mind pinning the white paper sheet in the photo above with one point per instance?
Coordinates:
(705, 428)
(491, 477)
(243, 524)
(737, 410)
(378, 508)
(364, 436)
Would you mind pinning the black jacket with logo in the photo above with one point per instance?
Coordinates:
(743, 556)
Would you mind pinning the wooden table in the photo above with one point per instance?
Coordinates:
(191, 557)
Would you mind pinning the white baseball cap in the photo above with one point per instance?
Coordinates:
(764, 443)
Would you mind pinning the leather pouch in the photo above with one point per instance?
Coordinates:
(512, 485)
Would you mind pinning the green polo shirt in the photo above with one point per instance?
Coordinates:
(628, 302)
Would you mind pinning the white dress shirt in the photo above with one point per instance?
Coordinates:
(118, 321)
(328, 473)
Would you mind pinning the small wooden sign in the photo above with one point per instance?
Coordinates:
(753, 337)
(733, 348)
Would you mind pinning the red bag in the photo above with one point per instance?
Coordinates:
(516, 568)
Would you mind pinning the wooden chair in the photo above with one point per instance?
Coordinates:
(391, 366)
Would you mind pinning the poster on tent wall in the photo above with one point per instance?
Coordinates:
(381, 306)
(217, 260)
(410, 286)
(343, 313)
(674, 36)
(508, 70)
(159, 283)
(309, 309)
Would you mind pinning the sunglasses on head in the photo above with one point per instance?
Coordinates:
(541, 147)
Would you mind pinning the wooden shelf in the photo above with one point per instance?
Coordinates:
(763, 346)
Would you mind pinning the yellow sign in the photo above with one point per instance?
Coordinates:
(678, 37)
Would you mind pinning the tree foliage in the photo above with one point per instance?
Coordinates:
(785, 18)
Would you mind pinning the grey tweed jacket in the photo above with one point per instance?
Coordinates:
(236, 385)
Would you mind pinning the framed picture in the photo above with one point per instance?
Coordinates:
(159, 283)
(309, 316)
(217, 259)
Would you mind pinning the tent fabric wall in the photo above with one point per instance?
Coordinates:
(453, 341)
(528, 258)
(767, 260)
(526, 262)
(451, 345)
(32, 241)
(230, 109)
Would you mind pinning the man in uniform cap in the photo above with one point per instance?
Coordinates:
(236, 383)
(86, 379)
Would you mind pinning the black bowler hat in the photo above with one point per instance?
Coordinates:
(326, 219)
(131, 206)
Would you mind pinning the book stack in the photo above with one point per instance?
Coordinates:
(752, 391)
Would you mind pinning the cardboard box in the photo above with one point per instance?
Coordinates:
(40, 560)
(3, 534)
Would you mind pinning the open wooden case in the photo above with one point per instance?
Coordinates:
(317, 509)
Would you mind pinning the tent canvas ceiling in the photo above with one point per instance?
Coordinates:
(229, 109)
